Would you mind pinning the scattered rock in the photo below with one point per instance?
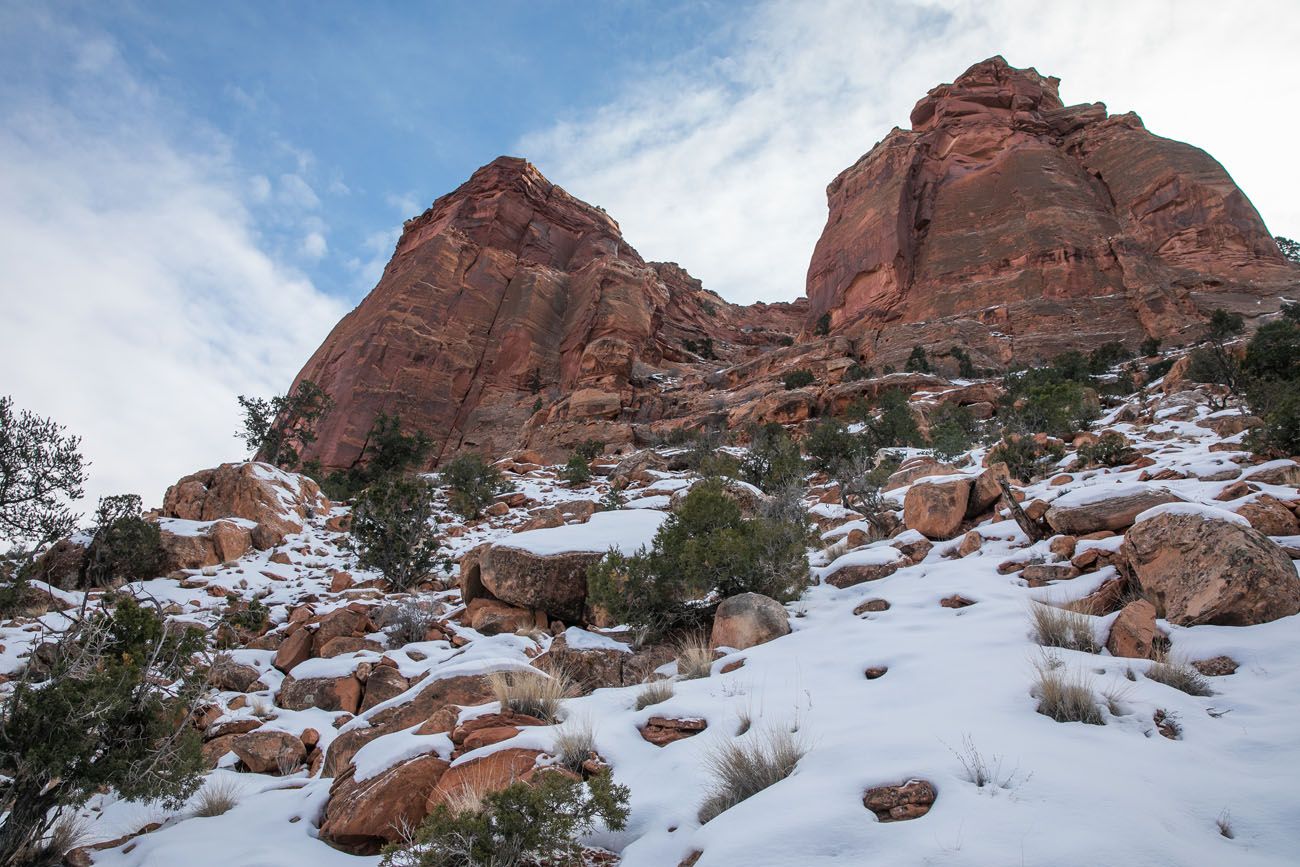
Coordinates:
(264, 751)
(1103, 507)
(909, 800)
(748, 619)
(1133, 634)
(662, 731)
(936, 509)
(1216, 666)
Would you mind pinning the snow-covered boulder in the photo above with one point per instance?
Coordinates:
(936, 506)
(277, 502)
(1104, 507)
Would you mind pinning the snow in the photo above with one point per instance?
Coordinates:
(881, 556)
(1200, 510)
(1101, 490)
(625, 530)
(581, 639)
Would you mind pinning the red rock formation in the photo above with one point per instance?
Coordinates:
(510, 303)
(1012, 225)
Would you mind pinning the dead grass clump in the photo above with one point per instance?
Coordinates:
(1179, 675)
(217, 798)
(1057, 627)
(655, 692)
(742, 769)
(1065, 697)
(694, 657)
(532, 692)
(575, 743)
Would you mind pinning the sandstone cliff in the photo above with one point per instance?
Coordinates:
(512, 313)
(1016, 227)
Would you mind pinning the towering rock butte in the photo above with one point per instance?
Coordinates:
(513, 315)
(1018, 228)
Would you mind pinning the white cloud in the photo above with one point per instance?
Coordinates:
(724, 168)
(314, 245)
(137, 302)
(380, 246)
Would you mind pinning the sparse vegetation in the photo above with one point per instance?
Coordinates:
(773, 459)
(1058, 627)
(408, 622)
(218, 797)
(42, 475)
(577, 471)
(123, 545)
(982, 771)
(278, 430)
(389, 452)
(1150, 346)
(1272, 365)
(823, 326)
(575, 743)
(798, 379)
(694, 657)
(1179, 675)
(1110, 450)
(1065, 697)
(654, 692)
(394, 530)
(917, 361)
(706, 550)
(743, 768)
(952, 431)
(532, 692)
(472, 483)
(112, 709)
(1025, 458)
(524, 823)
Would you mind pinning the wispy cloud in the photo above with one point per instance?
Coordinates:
(137, 299)
(723, 167)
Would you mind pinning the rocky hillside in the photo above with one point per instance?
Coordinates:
(514, 316)
(917, 680)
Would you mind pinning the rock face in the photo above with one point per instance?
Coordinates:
(1011, 224)
(1201, 570)
(509, 304)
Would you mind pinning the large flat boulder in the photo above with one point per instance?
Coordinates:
(1201, 567)
(1104, 507)
(362, 815)
(748, 619)
(935, 507)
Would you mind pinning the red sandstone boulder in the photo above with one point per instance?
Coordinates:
(1133, 634)
(1104, 507)
(662, 731)
(1197, 569)
(936, 507)
(276, 501)
(362, 815)
(748, 619)
(268, 752)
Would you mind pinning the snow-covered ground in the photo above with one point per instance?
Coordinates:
(958, 683)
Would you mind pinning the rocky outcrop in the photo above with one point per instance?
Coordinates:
(277, 503)
(1012, 225)
(513, 314)
(1198, 569)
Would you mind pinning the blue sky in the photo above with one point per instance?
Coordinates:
(192, 194)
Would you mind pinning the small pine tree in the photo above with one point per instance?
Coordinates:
(917, 361)
(1150, 346)
(797, 379)
(473, 482)
(394, 530)
(577, 471)
(277, 430)
(123, 545)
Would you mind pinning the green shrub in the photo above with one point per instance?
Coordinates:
(705, 546)
(773, 459)
(830, 445)
(917, 361)
(952, 431)
(797, 379)
(394, 530)
(41, 475)
(1110, 450)
(895, 426)
(703, 348)
(785, 340)
(1288, 248)
(389, 451)
(965, 367)
(523, 824)
(1026, 460)
(112, 711)
(590, 449)
(1150, 346)
(473, 482)
(1273, 391)
(1159, 369)
(1106, 356)
(823, 326)
(577, 471)
(123, 546)
(1047, 401)
(1274, 352)
(277, 430)
(857, 372)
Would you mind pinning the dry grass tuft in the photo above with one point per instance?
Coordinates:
(532, 692)
(575, 743)
(216, 798)
(655, 692)
(1058, 627)
(742, 769)
(1065, 697)
(1180, 675)
(694, 657)
(1224, 823)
